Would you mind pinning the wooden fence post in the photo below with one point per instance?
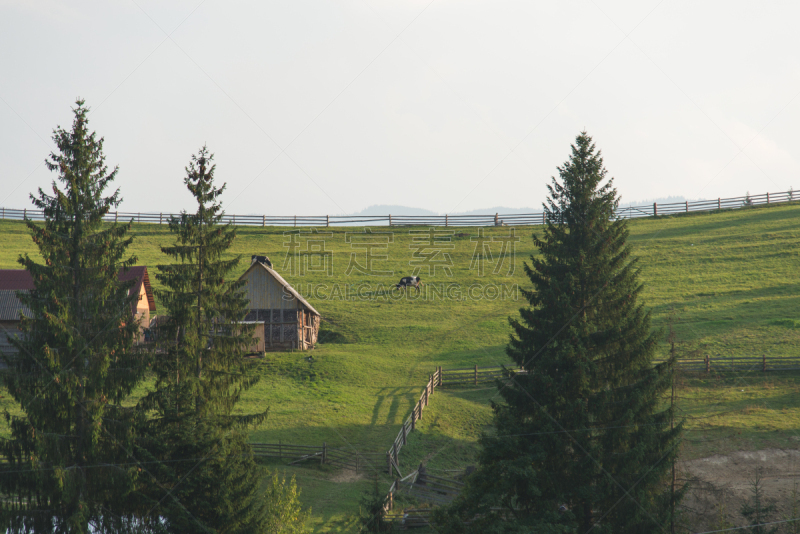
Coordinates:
(413, 418)
(25, 214)
(117, 213)
(440, 376)
(280, 450)
(719, 203)
(328, 222)
(687, 206)
(708, 363)
(445, 222)
(430, 383)
(544, 218)
(390, 219)
(394, 453)
(264, 223)
(419, 404)
(426, 396)
(295, 220)
(764, 362)
(655, 209)
(767, 198)
(476, 375)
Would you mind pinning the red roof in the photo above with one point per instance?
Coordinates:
(15, 279)
(21, 279)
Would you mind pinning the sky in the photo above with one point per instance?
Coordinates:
(327, 107)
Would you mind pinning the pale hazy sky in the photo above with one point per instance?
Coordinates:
(328, 107)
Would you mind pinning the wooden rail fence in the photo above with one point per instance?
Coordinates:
(516, 219)
(336, 456)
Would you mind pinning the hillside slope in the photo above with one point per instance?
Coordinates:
(725, 280)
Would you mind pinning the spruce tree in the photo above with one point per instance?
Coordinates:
(207, 478)
(581, 440)
(74, 363)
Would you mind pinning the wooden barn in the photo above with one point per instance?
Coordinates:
(283, 318)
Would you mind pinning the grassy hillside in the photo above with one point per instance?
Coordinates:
(724, 279)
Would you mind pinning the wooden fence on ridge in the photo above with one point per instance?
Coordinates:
(498, 219)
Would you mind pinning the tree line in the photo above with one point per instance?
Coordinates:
(79, 458)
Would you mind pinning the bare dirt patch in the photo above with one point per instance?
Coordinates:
(346, 476)
(720, 484)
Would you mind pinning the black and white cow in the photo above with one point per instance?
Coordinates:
(409, 281)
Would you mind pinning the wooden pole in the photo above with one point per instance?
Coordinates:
(327, 220)
(708, 363)
(295, 220)
(413, 418)
(445, 220)
(280, 450)
(719, 203)
(687, 206)
(419, 405)
(476, 375)
(160, 217)
(263, 220)
(655, 209)
(426, 396)
(430, 383)
(390, 219)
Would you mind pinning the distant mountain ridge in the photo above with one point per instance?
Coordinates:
(386, 209)
(394, 209)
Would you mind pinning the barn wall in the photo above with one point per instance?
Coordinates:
(8, 328)
(265, 292)
(285, 318)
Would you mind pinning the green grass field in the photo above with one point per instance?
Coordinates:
(725, 280)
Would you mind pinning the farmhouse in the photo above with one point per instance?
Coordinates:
(283, 318)
(13, 281)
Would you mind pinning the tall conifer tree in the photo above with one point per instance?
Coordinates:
(581, 441)
(208, 480)
(74, 363)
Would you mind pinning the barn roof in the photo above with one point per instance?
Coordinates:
(10, 305)
(13, 280)
(284, 283)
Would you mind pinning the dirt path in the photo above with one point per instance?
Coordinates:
(720, 484)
